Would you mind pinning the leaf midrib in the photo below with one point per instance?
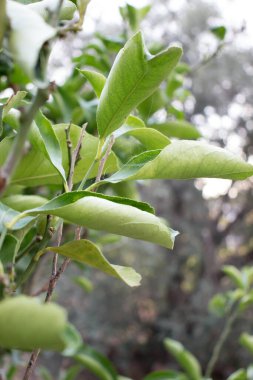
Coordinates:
(127, 97)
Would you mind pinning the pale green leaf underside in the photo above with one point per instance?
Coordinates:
(27, 324)
(88, 253)
(185, 160)
(111, 214)
(135, 75)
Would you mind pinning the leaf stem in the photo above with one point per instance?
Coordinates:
(220, 343)
(74, 157)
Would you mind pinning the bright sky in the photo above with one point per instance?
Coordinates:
(234, 12)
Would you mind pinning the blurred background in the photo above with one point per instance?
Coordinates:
(213, 90)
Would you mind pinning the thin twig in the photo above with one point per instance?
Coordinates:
(74, 157)
(52, 281)
(220, 343)
(31, 364)
(102, 162)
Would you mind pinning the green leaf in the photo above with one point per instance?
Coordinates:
(9, 249)
(148, 137)
(235, 275)
(22, 202)
(36, 170)
(187, 361)
(7, 214)
(45, 140)
(219, 305)
(246, 341)
(96, 363)
(134, 76)
(166, 375)
(111, 214)
(96, 80)
(184, 160)
(84, 283)
(72, 372)
(219, 32)
(88, 253)
(240, 374)
(27, 324)
(13, 102)
(177, 128)
(152, 104)
(27, 35)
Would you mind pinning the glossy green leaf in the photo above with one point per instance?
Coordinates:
(13, 102)
(185, 160)
(116, 215)
(187, 361)
(235, 275)
(43, 138)
(35, 169)
(96, 363)
(177, 128)
(27, 35)
(88, 253)
(134, 76)
(240, 374)
(166, 375)
(96, 80)
(27, 324)
(22, 202)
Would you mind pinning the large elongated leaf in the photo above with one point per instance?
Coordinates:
(27, 324)
(134, 76)
(44, 139)
(35, 169)
(88, 253)
(27, 34)
(177, 128)
(187, 361)
(112, 214)
(185, 160)
(22, 202)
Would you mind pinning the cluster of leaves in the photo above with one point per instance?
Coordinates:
(128, 96)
